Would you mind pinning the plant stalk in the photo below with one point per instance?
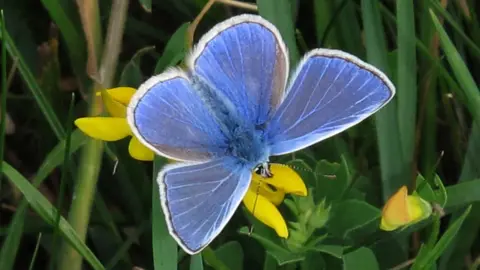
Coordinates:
(91, 159)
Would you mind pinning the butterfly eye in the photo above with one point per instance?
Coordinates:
(258, 169)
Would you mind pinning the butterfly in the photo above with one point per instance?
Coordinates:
(233, 108)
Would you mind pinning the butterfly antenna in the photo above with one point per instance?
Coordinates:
(254, 206)
(300, 169)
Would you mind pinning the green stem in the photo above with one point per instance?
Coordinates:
(90, 162)
(3, 112)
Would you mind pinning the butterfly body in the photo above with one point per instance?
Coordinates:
(232, 109)
(244, 140)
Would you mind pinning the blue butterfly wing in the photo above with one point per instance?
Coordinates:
(198, 200)
(168, 116)
(245, 59)
(330, 92)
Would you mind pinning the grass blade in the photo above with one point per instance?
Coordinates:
(164, 246)
(32, 261)
(3, 105)
(323, 15)
(470, 43)
(45, 210)
(62, 13)
(406, 79)
(386, 119)
(15, 229)
(275, 11)
(65, 172)
(91, 159)
(470, 93)
(466, 191)
(430, 257)
(471, 97)
(35, 89)
(196, 262)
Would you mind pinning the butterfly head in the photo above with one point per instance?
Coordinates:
(263, 169)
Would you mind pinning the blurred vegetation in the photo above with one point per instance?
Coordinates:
(59, 52)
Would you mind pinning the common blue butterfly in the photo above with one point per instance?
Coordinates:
(232, 109)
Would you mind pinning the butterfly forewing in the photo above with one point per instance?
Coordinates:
(245, 59)
(168, 116)
(330, 92)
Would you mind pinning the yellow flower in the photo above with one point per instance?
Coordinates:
(264, 194)
(403, 210)
(115, 127)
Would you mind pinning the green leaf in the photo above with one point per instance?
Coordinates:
(174, 50)
(280, 13)
(196, 262)
(164, 246)
(211, 259)
(282, 255)
(231, 254)
(270, 263)
(147, 5)
(48, 213)
(132, 75)
(313, 261)
(424, 189)
(334, 250)
(360, 259)
(332, 180)
(463, 193)
(430, 194)
(352, 217)
(389, 251)
(441, 196)
(429, 259)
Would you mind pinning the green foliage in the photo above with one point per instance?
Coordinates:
(427, 138)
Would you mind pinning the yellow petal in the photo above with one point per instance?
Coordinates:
(139, 151)
(120, 94)
(114, 107)
(285, 179)
(259, 186)
(418, 208)
(395, 212)
(266, 212)
(104, 128)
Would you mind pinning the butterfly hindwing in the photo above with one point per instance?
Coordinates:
(246, 60)
(198, 200)
(330, 92)
(168, 116)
